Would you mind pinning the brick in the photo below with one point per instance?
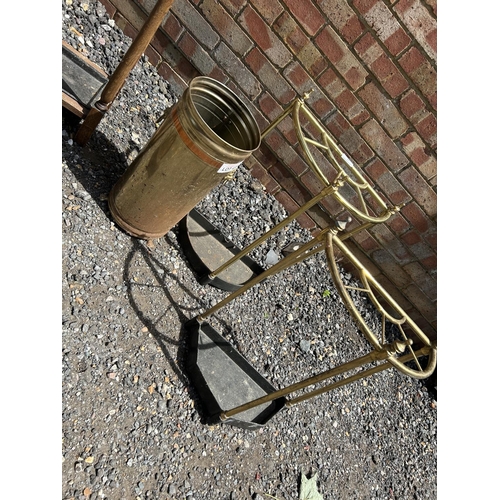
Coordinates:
(343, 18)
(312, 59)
(265, 156)
(307, 15)
(364, 6)
(333, 47)
(287, 128)
(176, 81)
(352, 29)
(390, 243)
(341, 57)
(270, 10)
(226, 27)
(433, 5)
(420, 155)
(260, 173)
(197, 55)
(430, 263)
(234, 67)
(279, 147)
(382, 144)
(291, 33)
(129, 12)
(384, 260)
(196, 24)
(421, 73)
(382, 67)
(299, 165)
(431, 239)
(386, 26)
(384, 110)
(385, 180)
(276, 85)
(172, 27)
(351, 107)
(234, 6)
(422, 279)
(398, 224)
(416, 217)
(419, 22)
(349, 138)
(421, 302)
(368, 49)
(427, 128)
(261, 34)
(411, 238)
(312, 183)
(302, 82)
(271, 143)
(412, 106)
(431, 38)
(148, 5)
(269, 106)
(389, 76)
(294, 188)
(287, 201)
(397, 42)
(366, 242)
(331, 84)
(184, 67)
(419, 189)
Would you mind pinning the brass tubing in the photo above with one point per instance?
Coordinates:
(332, 239)
(326, 192)
(382, 292)
(312, 163)
(338, 370)
(361, 227)
(280, 118)
(365, 217)
(117, 79)
(348, 380)
(283, 264)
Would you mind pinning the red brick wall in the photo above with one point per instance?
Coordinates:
(372, 65)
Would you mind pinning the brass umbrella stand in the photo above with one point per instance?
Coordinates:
(347, 185)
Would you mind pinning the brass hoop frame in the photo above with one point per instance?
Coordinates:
(392, 354)
(348, 171)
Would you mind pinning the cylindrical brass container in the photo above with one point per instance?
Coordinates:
(207, 134)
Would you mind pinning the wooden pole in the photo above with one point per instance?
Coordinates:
(126, 65)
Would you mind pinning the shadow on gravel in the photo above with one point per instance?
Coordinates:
(163, 338)
(104, 164)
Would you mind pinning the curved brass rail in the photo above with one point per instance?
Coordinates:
(371, 287)
(348, 172)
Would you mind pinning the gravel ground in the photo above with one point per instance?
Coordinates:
(132, 424)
